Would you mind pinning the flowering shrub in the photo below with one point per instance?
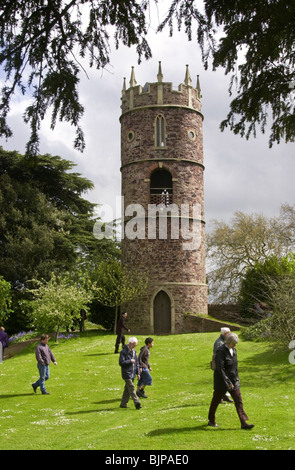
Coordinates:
(67, 336)
(20, 336)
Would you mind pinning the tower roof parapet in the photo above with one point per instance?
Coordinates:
(161, 94)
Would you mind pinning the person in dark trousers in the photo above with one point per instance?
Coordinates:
(219, 342)
(226, 378)
(44, 356)
(145, 376)
(3, 341)
(120, 333)
(130, 369)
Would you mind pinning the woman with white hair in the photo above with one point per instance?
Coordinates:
(226, 378)
(224, 331)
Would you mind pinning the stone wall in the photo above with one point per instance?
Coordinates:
(195, 324)
(225, 312)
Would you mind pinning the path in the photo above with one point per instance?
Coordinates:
(15, 348)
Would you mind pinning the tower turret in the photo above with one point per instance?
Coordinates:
(163, 190)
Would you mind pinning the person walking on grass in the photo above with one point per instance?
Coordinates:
(224, 331)
(44, 356)
(120, 333)
(130, 369)
(145, 376)
(226, 378)
(3, 342)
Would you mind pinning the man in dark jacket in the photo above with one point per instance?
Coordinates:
(120, 333)
(226, 378)
(44, 356)
(3, 342)
(130, 369)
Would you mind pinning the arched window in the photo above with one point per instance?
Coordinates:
(161, 187)
(160, 131)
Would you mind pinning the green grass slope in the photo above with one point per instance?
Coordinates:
(82, 410)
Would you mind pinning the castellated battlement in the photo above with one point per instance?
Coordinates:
(161, 93)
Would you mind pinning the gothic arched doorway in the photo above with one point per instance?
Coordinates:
(162, 313)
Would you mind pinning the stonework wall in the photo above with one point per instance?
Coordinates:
(179, 146)
(195, 324)
(177, 271)
(226, 312)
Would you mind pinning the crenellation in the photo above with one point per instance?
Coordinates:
(185, 96)
(161, 93)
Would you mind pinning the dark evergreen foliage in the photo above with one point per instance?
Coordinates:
(42, 43)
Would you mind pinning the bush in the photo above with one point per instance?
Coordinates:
(102, 315)
(280, 325)
(256, 286)
(260, 331)
(58, 304)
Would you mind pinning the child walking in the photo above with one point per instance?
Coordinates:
(143, 360)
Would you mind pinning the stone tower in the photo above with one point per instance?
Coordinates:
(163, 193)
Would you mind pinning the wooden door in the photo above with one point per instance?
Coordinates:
(162, 313)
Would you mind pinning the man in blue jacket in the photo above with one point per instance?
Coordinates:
(130, 369)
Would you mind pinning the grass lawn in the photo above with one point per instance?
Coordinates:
(82, 410)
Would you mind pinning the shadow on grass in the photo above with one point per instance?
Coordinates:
(201, 427)
(98, 410)
(13, 395)
(188, 405)
(82, 412)
(105, 402)
(266, 368)
(99, 354)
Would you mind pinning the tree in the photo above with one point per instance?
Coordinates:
(282, 301)
(5, 299)
(255, 42)
(235, 247)
(256, 286)
(47, 41)
(117, 285)
(46, 226)
(279, 293)
(44, 222)
(58, 304)
(43, 46)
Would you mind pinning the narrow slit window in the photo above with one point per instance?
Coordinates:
(160, 140)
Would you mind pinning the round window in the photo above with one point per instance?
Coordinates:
(191, 134)
(130, 136)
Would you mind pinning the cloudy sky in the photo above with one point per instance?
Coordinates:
(239, 174)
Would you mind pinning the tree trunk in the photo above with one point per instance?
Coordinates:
(115, 325)
(56, 334)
